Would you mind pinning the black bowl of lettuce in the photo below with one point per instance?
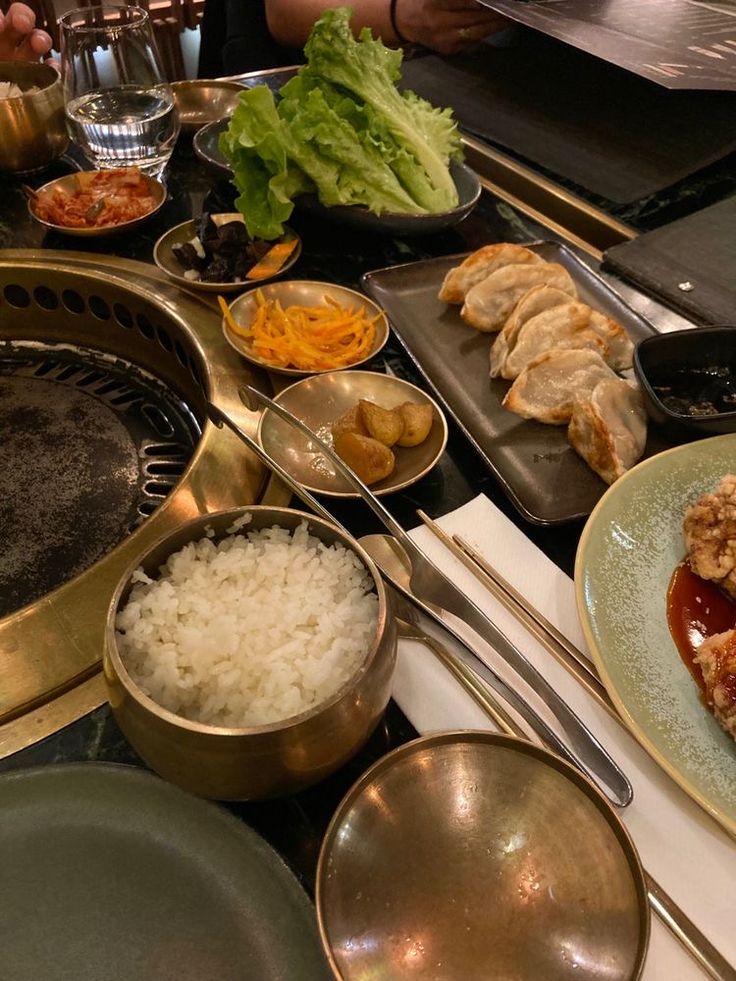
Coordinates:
(207, 148)
(206, 145)
(343, 141)
(392, 223)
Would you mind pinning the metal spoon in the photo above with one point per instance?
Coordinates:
(407, 620)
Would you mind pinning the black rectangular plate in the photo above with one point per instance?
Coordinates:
(543, 476)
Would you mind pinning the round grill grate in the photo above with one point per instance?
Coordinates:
(90, 446)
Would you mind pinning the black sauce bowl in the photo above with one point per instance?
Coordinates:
(684, 368)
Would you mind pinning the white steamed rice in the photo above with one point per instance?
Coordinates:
(254, 629)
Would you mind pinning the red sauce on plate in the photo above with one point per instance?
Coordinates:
(696, 609)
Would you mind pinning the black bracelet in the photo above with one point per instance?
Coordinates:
(394, 28)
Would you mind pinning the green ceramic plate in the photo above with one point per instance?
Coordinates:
(110, 874)
(629, 549)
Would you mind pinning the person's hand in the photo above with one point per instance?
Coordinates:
(20, 39)
(446, 26)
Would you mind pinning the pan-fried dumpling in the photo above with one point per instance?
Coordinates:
(489, 303)
(546, 388)
(480, 264)
(619, 344)
(535, 301)
(565, 326)
(608, 428)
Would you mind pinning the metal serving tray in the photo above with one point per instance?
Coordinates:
(543, 476)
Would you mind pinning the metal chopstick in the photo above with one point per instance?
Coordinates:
(673, 917)
(406, 617)
(546, 633)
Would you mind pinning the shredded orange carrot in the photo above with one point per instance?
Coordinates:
(307, 338)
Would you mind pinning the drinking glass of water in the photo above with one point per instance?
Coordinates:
(119, 106)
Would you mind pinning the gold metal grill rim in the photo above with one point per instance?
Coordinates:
(51, 650)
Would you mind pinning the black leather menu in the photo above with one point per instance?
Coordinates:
(679, 44)
(606, 130)
(690, 264)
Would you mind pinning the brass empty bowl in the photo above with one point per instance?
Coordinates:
(260, 761)
(202, 101)
(474, 856)
(33, 125)
(321, 400)
(301, 292)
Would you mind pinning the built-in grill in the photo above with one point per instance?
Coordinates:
(105, 369)
(91, 446)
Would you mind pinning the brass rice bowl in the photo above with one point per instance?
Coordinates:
(262, 761)
(33, 125)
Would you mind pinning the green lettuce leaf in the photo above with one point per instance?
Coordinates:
(343, 130)
(369, 70)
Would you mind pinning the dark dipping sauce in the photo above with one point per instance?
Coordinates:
(691, 391)
(696, 609)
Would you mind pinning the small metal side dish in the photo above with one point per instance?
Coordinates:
(320, 401)
(477, 855)
(202, 101)
(70, 184)
(166, 260)
(301, 292)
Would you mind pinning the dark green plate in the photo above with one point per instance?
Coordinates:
(109, 874)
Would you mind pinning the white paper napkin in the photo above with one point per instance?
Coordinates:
(690, 856)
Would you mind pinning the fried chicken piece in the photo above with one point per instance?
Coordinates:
(710, 535)
(717, 659)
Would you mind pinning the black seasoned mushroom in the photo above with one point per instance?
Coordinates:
(220, 253)
(188, 257)
(218, 271)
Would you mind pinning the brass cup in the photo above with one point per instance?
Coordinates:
(33, 125)
(264, 761)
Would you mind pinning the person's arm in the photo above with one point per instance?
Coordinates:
(447, 26)
(20, 39)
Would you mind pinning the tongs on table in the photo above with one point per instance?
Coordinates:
(431, 586)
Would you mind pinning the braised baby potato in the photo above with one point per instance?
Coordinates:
(385, 425)
(350, 422)
(417, 422)
(369, 459)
